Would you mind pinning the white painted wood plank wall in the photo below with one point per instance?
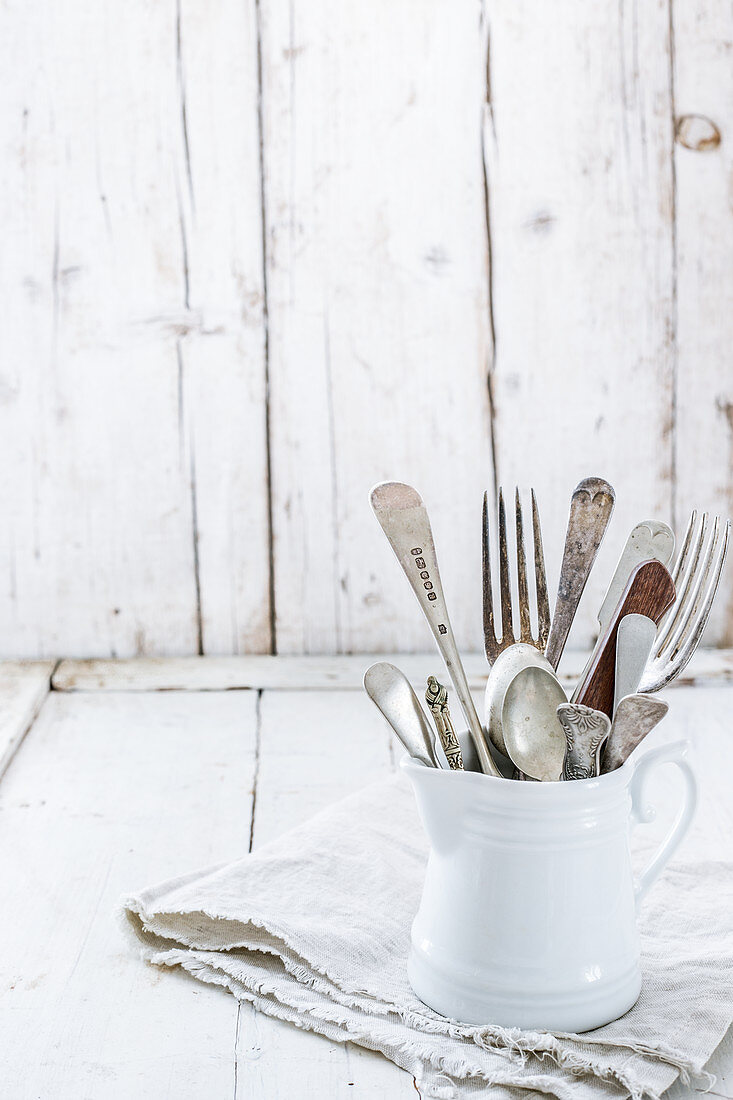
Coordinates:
(257, 257)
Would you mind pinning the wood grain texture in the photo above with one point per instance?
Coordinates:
(703, 86)
(578, 147)
(650, 591)
(23, 687)
(377, 291)
(83, 798)
(132, 384)
(107, 794)
(257, 258)
(708, 666)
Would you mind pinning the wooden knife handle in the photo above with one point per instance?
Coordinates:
(650, 591)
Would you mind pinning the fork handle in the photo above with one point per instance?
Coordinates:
(650, 591)
(404, 519)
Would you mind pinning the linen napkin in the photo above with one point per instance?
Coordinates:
(314, 929)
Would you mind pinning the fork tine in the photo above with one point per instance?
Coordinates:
(504, 583)
(525, 624)
(491, 644)
(682, 557)
(543, 602)
(661, 671)
(698, 594)
(679, 611)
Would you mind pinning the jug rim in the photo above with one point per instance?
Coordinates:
(607, 780)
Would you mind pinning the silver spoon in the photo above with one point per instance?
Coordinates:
(533, 734)
(586, 732)
(404, 520)
(635, 717)
(391, 691)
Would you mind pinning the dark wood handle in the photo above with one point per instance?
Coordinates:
(650, 591)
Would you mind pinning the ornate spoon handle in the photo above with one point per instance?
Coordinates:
(436, 696)
(586, 732)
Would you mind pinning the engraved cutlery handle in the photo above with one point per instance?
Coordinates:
(436, 696)
(591, 506)
(586, 731)
(404, 519)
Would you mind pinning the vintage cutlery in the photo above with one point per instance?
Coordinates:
(635, 717)
(533, 734)
(436, 696)
(391, 691)
(650, 591)
(586, 732)
(506, 666)
(649, 540)
(696, 575)
(404, 519)
(591, 506)
(634, 641)
(492, 645)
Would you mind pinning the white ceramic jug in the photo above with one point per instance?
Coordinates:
(528, 913)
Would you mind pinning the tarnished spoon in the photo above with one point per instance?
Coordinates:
(586, 732)
(591, 506)
(533, 734)
(404, 520)
(635, 717)
(392, 693)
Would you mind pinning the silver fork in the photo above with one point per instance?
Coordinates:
(696, 575)
(492, 645)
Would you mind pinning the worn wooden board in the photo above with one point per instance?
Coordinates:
(114, 789)
(109, 793)
(377, 307)
(23, 687)
(703, 162)
(132, 389)
(337, 745)
(257, 259)
(298, 673)
(582, 262)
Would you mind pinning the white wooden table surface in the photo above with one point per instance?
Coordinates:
(117, 775)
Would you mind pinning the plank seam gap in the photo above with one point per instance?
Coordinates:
(182, 98)
(196, 562)
(179, 350)
(674, 243)
(255, 778)
(334, 480)
(30, 723)
(266, 334)
(236, 1049)
(488, 114)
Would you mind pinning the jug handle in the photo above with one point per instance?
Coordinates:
(640, 814)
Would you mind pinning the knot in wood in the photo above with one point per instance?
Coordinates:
(697, 133)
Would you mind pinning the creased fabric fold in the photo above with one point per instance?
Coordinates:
(314, 928)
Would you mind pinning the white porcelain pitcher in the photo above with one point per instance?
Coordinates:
(528, 913)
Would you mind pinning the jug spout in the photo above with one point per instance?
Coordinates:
(440, 804)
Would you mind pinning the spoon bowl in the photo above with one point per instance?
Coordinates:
(506, 666)
(391, 692)
(533, 734)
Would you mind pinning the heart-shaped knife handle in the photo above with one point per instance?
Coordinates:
(650, 591)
